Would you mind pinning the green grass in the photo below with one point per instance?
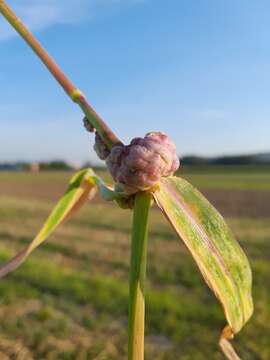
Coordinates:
(69, 300)
(229, 177)
(231, 181)
(213, 177)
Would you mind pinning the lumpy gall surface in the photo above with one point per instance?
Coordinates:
(140, 165)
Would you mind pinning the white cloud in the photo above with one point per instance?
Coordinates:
(41, 14)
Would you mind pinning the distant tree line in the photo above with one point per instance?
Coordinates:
(56, 165)
(60, 165)
(6, 166)
(261, 159)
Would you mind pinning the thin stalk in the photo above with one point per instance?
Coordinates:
(137, 276)
(75, 94)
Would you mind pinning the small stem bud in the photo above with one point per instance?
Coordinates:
(89, 127)
(101, 148)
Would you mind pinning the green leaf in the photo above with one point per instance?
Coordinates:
(81, 187)
(219, 257)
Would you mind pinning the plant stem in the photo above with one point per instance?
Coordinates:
(137, 276)
(75, 94)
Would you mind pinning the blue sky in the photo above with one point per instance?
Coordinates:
(196, 69)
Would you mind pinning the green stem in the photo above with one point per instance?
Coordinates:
(137, 276)
(75, 94)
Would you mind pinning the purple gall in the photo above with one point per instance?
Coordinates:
(141, 165)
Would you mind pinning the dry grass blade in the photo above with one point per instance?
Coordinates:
(81, 187)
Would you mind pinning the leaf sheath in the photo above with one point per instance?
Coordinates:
(137, 276)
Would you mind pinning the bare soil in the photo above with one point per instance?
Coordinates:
(240, 203)
(231, 203)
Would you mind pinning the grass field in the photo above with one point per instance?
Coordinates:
(69, 300)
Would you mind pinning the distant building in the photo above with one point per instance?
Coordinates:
(34, 167)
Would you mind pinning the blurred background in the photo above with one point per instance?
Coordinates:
(197, 70)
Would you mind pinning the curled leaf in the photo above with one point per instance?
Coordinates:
(81, 187)
(219, 257)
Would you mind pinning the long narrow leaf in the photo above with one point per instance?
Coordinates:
(219, 257)
(82, 187)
